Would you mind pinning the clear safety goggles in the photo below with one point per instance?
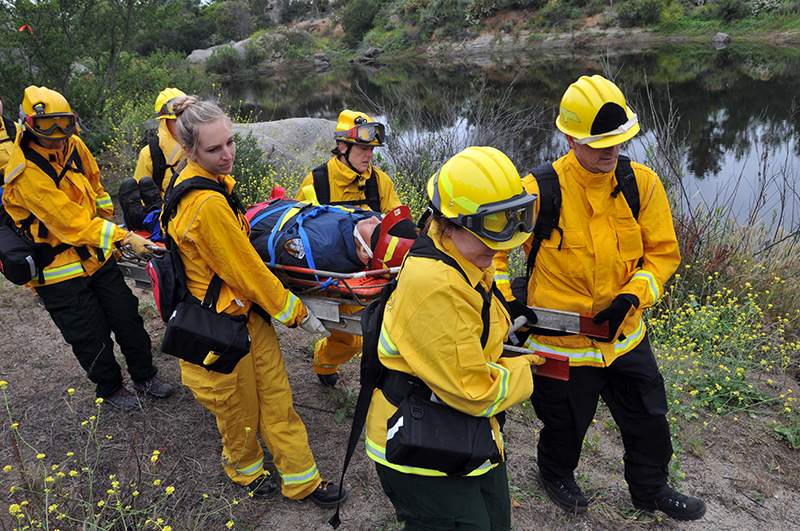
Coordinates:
(621, 130)
(501, 220)
(47, 124)
(358, 237)
(365, 132)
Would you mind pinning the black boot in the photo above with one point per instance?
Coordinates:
(151, 195)
(131, 202)
(673, 504)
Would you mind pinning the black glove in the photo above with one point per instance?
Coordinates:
(517, 308)
(615, 314)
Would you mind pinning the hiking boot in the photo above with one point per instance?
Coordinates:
(565, 493)
(327, 495)
(262, 488)
(151, 195)
(123, 400)
(154, 387)
(328, 380)
(131, 202)
(673, 504)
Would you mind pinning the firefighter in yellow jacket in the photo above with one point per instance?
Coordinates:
(255, 399)
(143, 193)
(443, 333)
(53, 193)
(348, 179)
(8, 134)
(605, 261)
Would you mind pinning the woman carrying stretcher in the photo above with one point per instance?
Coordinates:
(441, 342)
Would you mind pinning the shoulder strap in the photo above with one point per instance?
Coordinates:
(159, 161)
(44, 165)
(11, 130)
(549, 210)
(372, 193)
(175, 193)
(626, 183)
(322, 186)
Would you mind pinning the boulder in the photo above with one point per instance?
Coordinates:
(297, 144)
(721, 41)
(201, 56)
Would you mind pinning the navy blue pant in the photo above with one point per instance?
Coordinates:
(87, 310)
(633, 389)
(446, 503)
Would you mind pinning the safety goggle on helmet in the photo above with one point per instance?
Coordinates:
(358, 128)
(46, 114)
(480, 190)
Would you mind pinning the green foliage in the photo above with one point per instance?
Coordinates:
(731, 10)
(483, 9)
(224, 61)
(254, 177)
(179, 27)
(295, 9)
(357, 19)
(445, 17)
(671, 14)
(640, 13)
(233, 20)
(558, 14)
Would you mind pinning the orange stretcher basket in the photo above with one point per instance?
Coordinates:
(361, 286)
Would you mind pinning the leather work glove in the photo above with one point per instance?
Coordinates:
(615, 314)
(137, 243)
(534, 359)
(517, 308)
(312, 325)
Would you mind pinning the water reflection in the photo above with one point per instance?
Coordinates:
(735, 105)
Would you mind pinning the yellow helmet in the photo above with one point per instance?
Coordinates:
(593, 111)
(479, 189)
(164, 103)
(46, 113)
(357, 128)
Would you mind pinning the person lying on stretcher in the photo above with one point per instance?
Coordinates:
(329, 238)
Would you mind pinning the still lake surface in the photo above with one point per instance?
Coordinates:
(736, 109)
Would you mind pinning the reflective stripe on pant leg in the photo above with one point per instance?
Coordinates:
(280, 427)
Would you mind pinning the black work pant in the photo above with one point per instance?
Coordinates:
(445, 503)
(87, 310)
(633, 389)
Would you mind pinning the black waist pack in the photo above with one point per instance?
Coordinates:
(17, 256)
(433, 435)
(198, 334)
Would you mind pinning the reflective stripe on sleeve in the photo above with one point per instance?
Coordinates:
(502, 393)
(651, 281)
(107, 235)
(385, 345)
(501, 278)
(104, 201)
(287, 313)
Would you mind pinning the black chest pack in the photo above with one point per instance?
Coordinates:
(195, 331)
(21, 258)
(322, 187)
(434, 435)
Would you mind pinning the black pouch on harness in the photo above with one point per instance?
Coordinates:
(198, 334)
(17, 256)
(427, 434)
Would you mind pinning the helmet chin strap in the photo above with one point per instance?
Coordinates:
(346, 156)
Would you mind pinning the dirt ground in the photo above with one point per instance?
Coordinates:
(748, 479)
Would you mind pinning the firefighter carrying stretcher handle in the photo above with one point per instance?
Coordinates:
(444, 329)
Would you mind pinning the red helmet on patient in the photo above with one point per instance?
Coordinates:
(391, 244)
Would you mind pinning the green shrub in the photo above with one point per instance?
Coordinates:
(558, 14)
(483, 9)
(447, 16)
(731, 10)
(357, 19)
(671, 14)
(640, 13)
(225, 61)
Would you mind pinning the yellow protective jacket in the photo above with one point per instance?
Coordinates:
(71, 212)
(605, 252)
(345, 181)
(212, 239)
(7, 139)
(432, 330)
(173, 153)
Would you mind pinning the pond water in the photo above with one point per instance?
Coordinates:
(737, 120)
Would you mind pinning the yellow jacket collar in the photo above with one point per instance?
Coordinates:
(194, 169)
(348, 174)
(582, 176)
